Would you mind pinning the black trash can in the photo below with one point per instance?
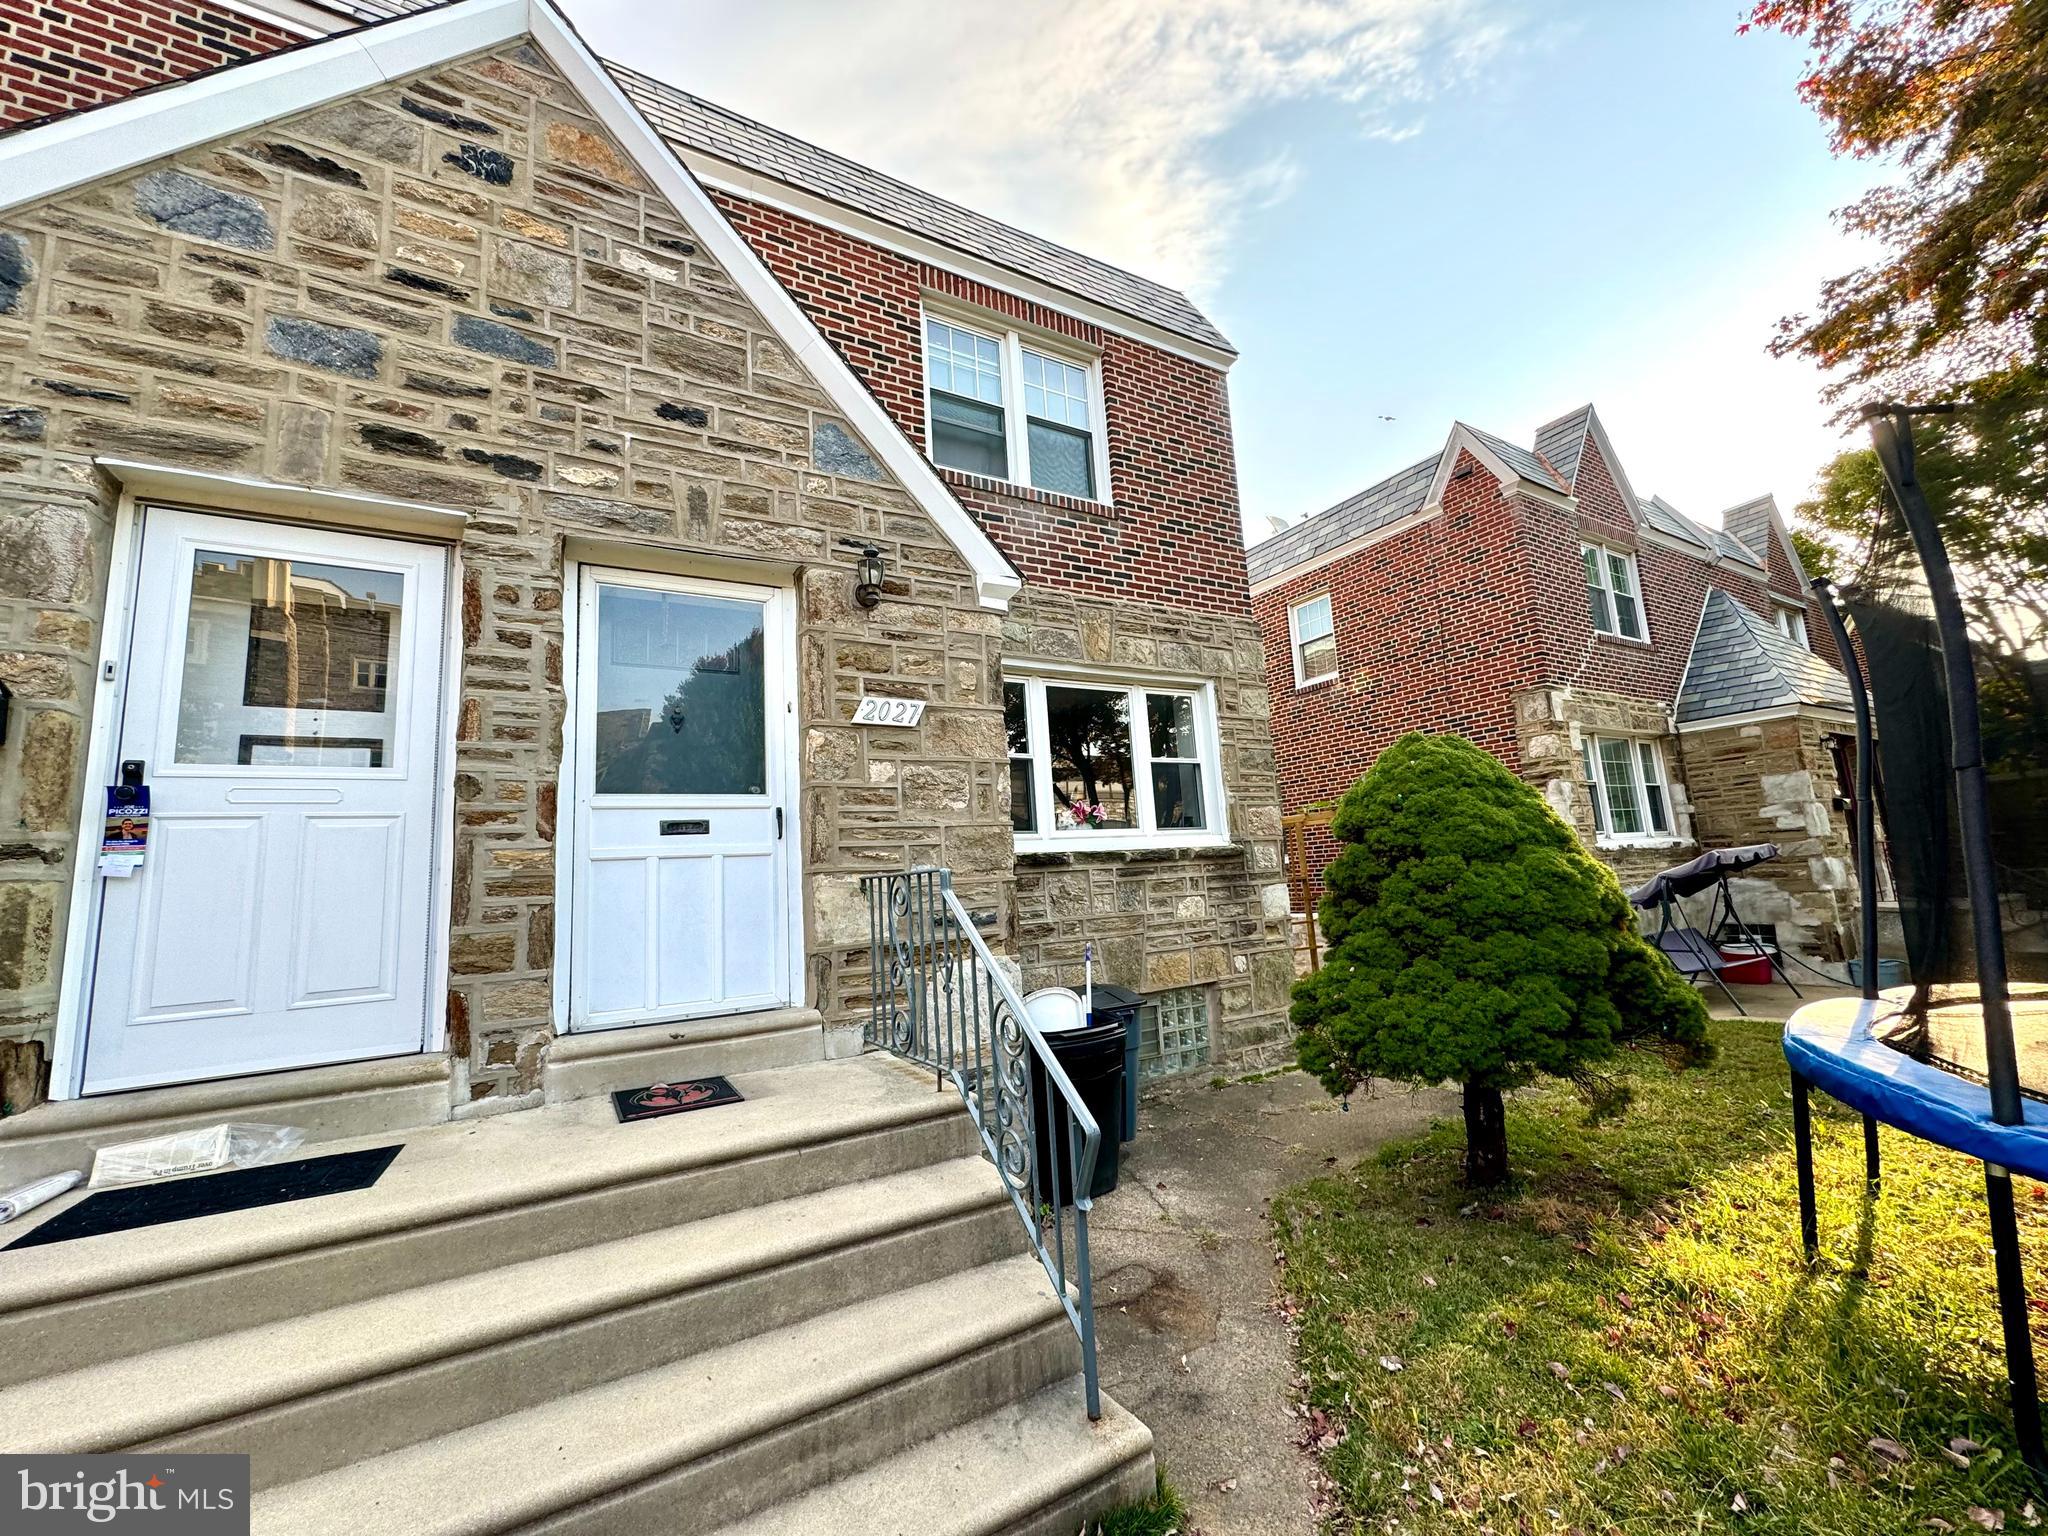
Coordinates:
(1093, 1059)
(1120, 1005)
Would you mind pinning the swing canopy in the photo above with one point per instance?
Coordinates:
(1700, 874)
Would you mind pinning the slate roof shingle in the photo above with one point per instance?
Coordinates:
(1371, 509)
(1519, 459)
(1741, 663)
(1562, 441)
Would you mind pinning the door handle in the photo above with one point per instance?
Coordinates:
(132, 771)
(778, 823)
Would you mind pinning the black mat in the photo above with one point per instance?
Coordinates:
(658, 1099)
(213, 1194)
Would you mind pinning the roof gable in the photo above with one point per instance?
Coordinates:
(1740, 663)
(1563, 440)
(41, 161)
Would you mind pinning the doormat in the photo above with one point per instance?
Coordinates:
(213, 1194)
(658, 1099)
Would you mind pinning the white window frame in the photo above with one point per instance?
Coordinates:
(1294, 642)
(1216, 812)
(1635, 576)
(1791, 623)
(1016, 422)
(1646, 752)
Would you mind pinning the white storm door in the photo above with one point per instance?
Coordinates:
(282, 699)
(681, 886)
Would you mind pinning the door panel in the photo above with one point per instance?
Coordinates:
(345, 951)
(282, 693)
(681, 878)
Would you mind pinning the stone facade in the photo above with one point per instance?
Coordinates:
(459, 291)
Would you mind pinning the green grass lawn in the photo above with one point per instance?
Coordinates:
(1626, 1340)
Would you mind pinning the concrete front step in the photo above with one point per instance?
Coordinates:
(583, 1065)
(1035, 1466)
(468, 1197)
(305, 1395)
(718, 1435)
(364, 1098)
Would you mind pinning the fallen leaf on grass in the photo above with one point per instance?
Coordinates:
(1890, 1449)
(1964, 1446)
(1955, 1456)
(1739, 1504)
(1526, 1428)
(1558, 1369)
(1989, 1519)
(1390, 1362)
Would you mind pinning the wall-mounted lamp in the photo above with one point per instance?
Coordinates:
(867, 575)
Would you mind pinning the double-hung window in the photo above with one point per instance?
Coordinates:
(1630, 791)
(1013, 409)
(1792, 625)
(1312, 629)
(1112, 765)
(1612, 592)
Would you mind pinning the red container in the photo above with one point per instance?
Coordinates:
(1746, 965)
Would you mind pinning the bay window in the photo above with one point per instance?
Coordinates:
(1611, 592)
(1112, 764)
(1628, 787)
(1013, 409)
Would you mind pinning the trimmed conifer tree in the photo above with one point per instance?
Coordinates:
(1473, 939)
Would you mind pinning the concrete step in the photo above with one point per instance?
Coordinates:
(465, 1197)
(1033, 1467)
(306, 1395)
(600, 1061)
(364, 1098)
(719, 1435)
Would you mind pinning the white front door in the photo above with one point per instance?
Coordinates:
(281, 698)
(682, 799)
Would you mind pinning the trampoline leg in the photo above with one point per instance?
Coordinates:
(1802, 1143)
(2012, 1313)
(1870, 1163)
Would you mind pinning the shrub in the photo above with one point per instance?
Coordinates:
(1473, 939)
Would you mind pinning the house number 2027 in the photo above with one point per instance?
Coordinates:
(889, 712)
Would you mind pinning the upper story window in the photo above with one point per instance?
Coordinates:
(1112, 766)
(1630, 791)
(977, 379)
(1312, 629)
(1792, 625)
(1612, 592)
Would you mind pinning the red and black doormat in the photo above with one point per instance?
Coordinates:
(658, 1099)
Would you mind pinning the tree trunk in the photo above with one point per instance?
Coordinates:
(1486, 1136)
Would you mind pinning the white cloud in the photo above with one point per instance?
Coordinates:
(1103, 124)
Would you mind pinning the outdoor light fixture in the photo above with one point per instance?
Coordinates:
(867, 576)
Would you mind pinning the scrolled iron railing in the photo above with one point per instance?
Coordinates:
(938, 998)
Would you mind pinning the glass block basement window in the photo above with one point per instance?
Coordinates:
(1174, 1033)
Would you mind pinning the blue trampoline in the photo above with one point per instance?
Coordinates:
(1947, 1071)
(1836, 1047)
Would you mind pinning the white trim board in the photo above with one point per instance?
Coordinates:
(40, 162)
(1822, 714)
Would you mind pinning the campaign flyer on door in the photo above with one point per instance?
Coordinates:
(127, 833)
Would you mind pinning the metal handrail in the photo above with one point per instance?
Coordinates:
(938, 997)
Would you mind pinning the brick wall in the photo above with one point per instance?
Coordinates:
(1172, 534)
(59, 55)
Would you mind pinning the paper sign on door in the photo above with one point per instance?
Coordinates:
(126, 838)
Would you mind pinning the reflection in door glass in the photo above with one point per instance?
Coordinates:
(681, 698)
(289, 663)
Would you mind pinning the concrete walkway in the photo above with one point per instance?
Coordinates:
(1191, 1339)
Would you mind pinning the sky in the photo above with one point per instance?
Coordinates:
(1402, 212)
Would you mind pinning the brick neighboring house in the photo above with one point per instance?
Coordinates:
(1668, 686)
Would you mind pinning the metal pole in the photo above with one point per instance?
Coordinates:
(1871, 1167)
(1866, 805)
(1802, 1145)
(1891, 434)
(2012, 1317)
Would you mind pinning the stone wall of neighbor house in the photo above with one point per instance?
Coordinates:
(1551, 722)
(59, 55)
(1168, 918)
(458, 291)
(1774, 781)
